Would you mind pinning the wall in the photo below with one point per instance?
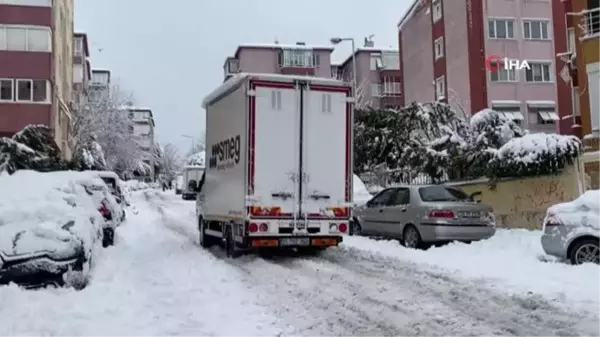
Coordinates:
(522, 203)
(417, 56)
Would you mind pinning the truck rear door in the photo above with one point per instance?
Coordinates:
(326, 152)
(273, 149)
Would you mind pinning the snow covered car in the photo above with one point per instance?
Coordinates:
(48, 231)
(115, 186)
(571, 230)
(107, 207)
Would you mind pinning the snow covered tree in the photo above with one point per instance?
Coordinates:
(196, 159)
(533, 155)
(374, 143)
(490, 131)
(103, 134)
(197, 146)
(32, 148)
(170, 160)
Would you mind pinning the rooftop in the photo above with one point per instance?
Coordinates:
(365, 49)
(298, 45)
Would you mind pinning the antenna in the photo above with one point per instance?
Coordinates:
(276, 40)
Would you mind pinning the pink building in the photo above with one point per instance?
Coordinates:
(443, 50)
(378, 76)
(298, 59)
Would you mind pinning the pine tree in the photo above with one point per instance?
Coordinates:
(32, 148)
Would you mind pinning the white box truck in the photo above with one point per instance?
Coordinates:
(279, 164)
(190, 173)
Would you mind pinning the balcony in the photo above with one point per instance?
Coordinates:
(231, 67)
(299, 61)
(590, 23)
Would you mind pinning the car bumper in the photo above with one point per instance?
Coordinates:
(441, 232)
(553, 245)
(319, 241)
(38, 271)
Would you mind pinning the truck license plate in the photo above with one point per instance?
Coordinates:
(294, 242)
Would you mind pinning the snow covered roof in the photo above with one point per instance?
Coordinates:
(237, 80)
(281, 46)
(100, 70)
(368, 49)
(411, 11)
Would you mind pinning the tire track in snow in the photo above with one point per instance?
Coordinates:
(353, 292)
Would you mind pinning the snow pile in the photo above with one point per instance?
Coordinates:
(509, 262)
(361, 195)
(47, 212)
(135, 185)
(196, 159)
(583, 211)
(535, 154)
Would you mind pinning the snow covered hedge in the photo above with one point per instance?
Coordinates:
(432, 140)
(33, 148)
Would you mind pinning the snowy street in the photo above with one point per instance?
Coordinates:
(156, 280)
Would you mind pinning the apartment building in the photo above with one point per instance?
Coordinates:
(36, 40)
(100, 84)
(297, 59)
(378, 76)
(577, 35)
(82, 71)
(143, 132)
(444, 46)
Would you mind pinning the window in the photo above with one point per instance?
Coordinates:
(437, 10)
(326, 102)
(6, 90)
(536, 30)
(512, 113)
(375, 90)
(376, 62)
(79, 45)
(302, 58)
(32, 91)
(391, 86)
(439, 48)
(401, 197)
(503, 75)
(25, 38)
(390, 60)
(538, 72)
(442, 193)
(16, 38)
(543, 115)
(571, 47)
(382, 199)
(440, 87)
(501, 29)
(276, 99)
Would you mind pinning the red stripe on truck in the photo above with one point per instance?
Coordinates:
(252, 126)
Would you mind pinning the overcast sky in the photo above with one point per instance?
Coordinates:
(170, 53)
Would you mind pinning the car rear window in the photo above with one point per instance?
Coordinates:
(442, 193)
(111, 182)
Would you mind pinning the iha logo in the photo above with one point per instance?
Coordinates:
(493, 63)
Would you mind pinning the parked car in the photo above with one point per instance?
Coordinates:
(420, 215)
(48, 230)
(107, 207)
(571, 230)
(115, 187)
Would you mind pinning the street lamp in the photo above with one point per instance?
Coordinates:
(192, 138)
(338, 40)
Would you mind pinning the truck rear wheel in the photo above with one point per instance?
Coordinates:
(231, 247)
(206, 241)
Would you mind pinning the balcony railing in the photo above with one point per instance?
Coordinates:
(590, 23)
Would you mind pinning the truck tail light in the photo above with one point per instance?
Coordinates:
(343, 228)
(265, 211)
(339, 212)
(252, 227)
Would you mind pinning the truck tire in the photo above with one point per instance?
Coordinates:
(206, 241)
(231, 247)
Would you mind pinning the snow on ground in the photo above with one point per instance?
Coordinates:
(153, 282)
(509, 262)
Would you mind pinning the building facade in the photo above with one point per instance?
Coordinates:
(577, 30)
(36, 39)
(444, 47)
(297, 59)
(82, 72)
(378, 76)
(143, 132)
(100, 83)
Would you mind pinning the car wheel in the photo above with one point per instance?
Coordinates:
(411, 237)
(356, 228)
(230, 244)
(585, 251)
(108, 239)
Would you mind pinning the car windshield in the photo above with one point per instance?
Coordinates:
(442, 193)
